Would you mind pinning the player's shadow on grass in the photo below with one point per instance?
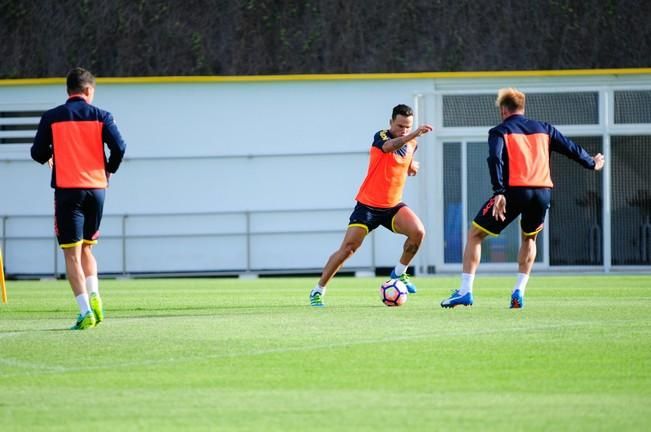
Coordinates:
(53, 329)
(253, 307)
(152, 309)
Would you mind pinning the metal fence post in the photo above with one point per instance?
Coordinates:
(373, 252)
(124, 245)
(248, 240)
(55, 273)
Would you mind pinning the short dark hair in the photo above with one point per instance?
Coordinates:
(78, 79)
(403, 110)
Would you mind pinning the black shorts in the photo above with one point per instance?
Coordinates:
(370, 218)
(531, 203)
(77, 215)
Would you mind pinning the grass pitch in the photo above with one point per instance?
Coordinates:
(251, 355)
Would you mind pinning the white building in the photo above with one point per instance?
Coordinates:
(258, 174)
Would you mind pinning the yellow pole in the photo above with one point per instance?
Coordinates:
(2, 280)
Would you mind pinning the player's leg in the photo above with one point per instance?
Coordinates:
(527, 253)
(471, 258)
(532, 222)
(406, 222)
(69, 222)
(75, 271)
(93, 209)
(483, 225)
(69, 230)
(89, 265)
(353, 239)
(472, 251)
(526, 258)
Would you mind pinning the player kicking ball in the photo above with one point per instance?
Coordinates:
(379, 200)
(518, 161)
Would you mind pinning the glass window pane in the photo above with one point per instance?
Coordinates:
(633, 106)
(575, 217)
(573, 108)
(564, 108)
(470, 110)
(495, 249)
(631, 200)
(452, 220)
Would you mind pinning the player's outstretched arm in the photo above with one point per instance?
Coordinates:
(395, 143)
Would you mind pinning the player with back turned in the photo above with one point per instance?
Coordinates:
(519, 152)
(379, 200)
(72, 137)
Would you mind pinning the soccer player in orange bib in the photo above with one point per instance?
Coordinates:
(519, 150)
(71, 137)
(379, 200)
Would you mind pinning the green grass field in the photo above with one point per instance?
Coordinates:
(250, 355)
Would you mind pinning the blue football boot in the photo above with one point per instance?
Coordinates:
(455, 300)
(517, 300)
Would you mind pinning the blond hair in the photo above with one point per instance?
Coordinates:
(510, 98)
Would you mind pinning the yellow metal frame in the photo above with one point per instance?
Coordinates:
(336, 77)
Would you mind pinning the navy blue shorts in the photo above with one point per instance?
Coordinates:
(77, 215)
(370, 218)
(531, 203)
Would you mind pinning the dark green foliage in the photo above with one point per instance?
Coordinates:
(254, 37)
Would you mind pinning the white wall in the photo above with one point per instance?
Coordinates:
(212, 160)
(198, 149)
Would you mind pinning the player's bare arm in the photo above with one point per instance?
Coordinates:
(398, 142)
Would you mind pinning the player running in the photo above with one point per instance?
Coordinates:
(379, 200)
(71, 138)
(518, 160)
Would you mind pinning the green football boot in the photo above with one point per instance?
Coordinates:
(97, 307)
(84, 321)
(316, 299)
(411, 288)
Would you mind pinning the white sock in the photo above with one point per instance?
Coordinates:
(400, 269)
(92, 285)
(521, 283)
(467, 280)
(84, 305)
(318, 288)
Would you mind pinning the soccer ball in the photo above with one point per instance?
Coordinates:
(393, 292)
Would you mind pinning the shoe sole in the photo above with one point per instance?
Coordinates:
(455, 305)
(90, 326)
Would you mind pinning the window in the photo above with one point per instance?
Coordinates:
(19, 127)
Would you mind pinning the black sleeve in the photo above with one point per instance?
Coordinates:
(567, 147)
(380, 138)
(42, 147)
(496, 161)
(111, 136)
